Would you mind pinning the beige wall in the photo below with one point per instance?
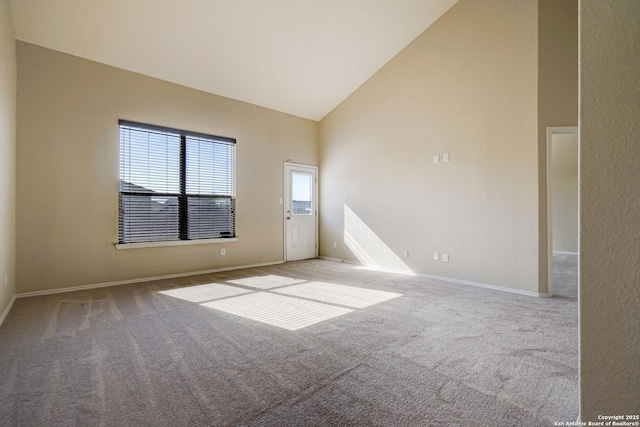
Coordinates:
(7, 156)
(557, 94)
(564, 192)
(468, 87)
(67, 162)
(609, 208)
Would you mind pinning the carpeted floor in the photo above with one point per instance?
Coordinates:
(415, 353)
(565, 276)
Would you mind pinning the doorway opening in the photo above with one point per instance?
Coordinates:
(562, 210)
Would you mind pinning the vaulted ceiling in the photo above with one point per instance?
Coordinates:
(301, 57)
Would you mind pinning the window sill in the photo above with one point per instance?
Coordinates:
(120, 246)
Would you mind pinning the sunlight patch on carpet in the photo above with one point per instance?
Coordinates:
(265, 282)
(208, 292)
(278, 310)
(339, 294)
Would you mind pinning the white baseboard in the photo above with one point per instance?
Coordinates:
(345, 261)
(369, 267)
(564, 253)
(487, 286)
(218, 270)
(5, 313)
(445, 279)
(144, 279)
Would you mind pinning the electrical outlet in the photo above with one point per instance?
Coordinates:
(335, 245)
(445, 158)
(436, 256)
(436, 158)
(405, 253)
(445, 257)
(223, 251)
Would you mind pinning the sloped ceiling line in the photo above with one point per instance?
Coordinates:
(298, 57)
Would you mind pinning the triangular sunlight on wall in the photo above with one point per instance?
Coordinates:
(370, 249)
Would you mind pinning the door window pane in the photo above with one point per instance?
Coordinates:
(301, 186)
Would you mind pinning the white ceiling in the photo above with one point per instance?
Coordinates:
(301, 57)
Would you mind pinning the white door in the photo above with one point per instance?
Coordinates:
(301, 211)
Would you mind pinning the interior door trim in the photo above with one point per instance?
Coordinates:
(287, 165)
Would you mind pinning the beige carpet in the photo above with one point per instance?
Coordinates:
(323, 344)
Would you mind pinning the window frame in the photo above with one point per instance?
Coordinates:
(183, 196)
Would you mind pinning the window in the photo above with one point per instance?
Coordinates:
(301, 183)
(175, 185)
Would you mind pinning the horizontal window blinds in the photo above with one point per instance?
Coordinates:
(175, 185)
